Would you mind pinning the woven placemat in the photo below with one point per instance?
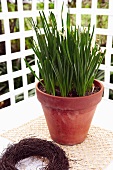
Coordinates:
(95, 153)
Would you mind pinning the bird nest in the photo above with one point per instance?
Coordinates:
(34, 147)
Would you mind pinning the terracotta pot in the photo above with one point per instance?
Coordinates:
(69, 118)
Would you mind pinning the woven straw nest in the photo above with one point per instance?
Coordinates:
(34, 147)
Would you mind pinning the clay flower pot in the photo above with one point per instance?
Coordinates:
(69, 118)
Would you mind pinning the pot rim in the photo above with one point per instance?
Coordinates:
(71, 98)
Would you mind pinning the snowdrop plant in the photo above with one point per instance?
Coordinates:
(65, 58)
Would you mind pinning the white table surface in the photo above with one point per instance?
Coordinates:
(23, 112)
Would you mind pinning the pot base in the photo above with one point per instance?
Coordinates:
(68, 143)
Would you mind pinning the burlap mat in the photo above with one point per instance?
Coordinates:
(95, 153)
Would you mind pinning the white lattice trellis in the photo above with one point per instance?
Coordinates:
(21, 14)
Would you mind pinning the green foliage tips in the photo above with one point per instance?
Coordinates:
(66, 58)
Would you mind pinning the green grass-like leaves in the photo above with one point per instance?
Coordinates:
(65, 58)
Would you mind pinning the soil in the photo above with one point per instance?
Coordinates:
(72, 93)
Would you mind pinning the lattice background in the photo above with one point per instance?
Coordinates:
(91, 14)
